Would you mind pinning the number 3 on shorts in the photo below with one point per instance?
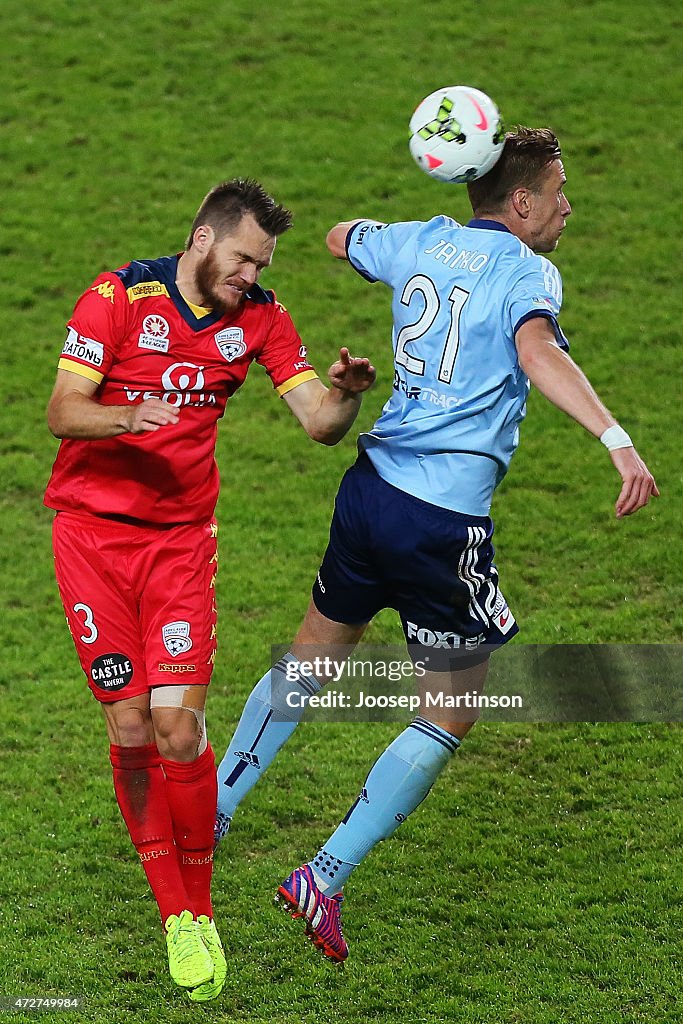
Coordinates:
(88, 623)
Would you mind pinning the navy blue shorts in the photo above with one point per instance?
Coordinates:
(388, 549)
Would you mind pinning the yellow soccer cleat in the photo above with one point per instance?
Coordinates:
(212, 941)
(189, 961)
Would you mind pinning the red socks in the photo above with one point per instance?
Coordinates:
(169, 808)
(140, 789)
(191, 791)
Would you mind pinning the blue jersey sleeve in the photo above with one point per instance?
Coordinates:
(372, 249)
(537, 292)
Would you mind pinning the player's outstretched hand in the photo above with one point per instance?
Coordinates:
(639, 484)
(351, 374)
(150, 415)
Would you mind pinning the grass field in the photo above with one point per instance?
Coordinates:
(540, 883)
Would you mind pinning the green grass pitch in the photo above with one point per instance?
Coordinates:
(539, 883)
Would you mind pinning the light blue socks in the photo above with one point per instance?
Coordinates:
(398, 781)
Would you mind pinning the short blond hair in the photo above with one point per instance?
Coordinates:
(525, 157)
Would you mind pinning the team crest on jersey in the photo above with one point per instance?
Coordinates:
(230, 343)
(154, 333)
(176, 637)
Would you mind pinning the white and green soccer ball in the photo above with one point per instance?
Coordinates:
(456, 134)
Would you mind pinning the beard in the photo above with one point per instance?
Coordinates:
(207, 277)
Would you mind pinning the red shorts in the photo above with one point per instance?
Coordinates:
(140, 602)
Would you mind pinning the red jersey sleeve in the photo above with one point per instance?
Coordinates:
(284, 355)
(95, 329)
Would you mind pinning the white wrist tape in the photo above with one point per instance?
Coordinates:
(616, 437)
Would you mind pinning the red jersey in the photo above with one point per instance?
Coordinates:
(134, 334)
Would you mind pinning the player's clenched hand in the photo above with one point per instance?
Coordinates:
(150, 415)
(639, 484)
(351, 374)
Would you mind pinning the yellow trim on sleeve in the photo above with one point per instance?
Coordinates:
(294, 382)
(82, 371)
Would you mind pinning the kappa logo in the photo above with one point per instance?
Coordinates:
(145, 290)
(146, 855)
(105, 289)
(187, 858)
(230, 343)
(176, 637)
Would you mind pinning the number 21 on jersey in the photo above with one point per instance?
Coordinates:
(411, 333)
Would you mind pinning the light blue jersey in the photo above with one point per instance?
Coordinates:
(451, 426)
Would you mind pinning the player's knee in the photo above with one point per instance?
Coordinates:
(179, 721)
(131, 727)
(177, 733)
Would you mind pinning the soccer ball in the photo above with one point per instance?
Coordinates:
(456, 134)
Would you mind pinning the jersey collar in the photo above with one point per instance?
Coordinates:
(178, 299)
(489, 225)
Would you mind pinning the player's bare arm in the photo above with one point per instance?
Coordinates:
(564, 384)
(336, 237)
(74, 412)
(326, 414)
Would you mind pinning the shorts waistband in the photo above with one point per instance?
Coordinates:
(365, 463)
(108, 522)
